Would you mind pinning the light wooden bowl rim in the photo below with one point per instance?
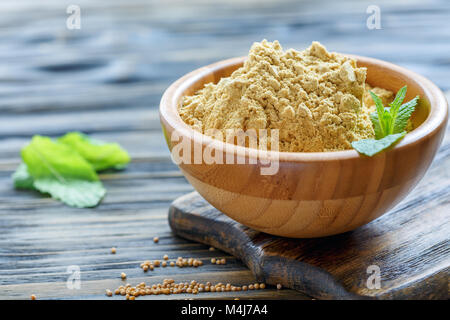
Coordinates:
(171, 97)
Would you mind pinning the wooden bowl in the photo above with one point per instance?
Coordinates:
(313, 194)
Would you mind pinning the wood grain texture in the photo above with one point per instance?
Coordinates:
(312, 194)
(334, 267)
(107, 78)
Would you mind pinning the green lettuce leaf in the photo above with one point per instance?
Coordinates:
(60, 171)
(99, 154)
(370, 147)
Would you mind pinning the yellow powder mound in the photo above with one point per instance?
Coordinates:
(313, 97)
(385, 95)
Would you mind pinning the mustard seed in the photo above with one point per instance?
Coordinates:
(223, 261)
(212, 249)
(213, 260)
(33, 297)
(109, 293)
(155, 239)
(113, 250)
(262, 285)
(172, 264)
(164, 264)
(123, 275)
(166, 257)
(279, 286)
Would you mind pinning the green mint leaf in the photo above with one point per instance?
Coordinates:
(60, 171)
(387, 120)
(376, 125)
(21, 178)
(99, 154)
(394, 107)
(404, 113)
(73, 192)
(381, 115)
(398, 100)
(370, 147)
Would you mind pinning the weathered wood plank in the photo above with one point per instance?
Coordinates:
(106, 79)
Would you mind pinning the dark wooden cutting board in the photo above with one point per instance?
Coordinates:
(410, 247)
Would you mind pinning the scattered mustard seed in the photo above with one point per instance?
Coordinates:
(279, 286)
(168, 286)
(33, 297)
(113, 250)
(123, 275)
(155, 239)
